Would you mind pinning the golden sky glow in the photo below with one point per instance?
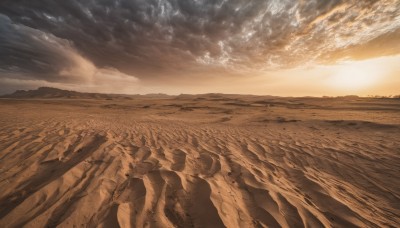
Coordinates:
(365, 77)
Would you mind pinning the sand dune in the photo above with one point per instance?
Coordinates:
(200, 161)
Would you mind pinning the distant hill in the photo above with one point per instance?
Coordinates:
(43, 92)
(48, 92)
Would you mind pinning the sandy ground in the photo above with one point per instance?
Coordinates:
(200, 161)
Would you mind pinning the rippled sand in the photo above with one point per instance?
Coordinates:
(200, 161)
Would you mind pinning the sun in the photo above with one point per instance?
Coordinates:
(355, 76)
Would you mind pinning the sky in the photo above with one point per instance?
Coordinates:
(271, 47)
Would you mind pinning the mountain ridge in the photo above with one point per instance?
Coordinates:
(51, 92)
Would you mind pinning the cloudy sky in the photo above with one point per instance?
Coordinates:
(278, 47)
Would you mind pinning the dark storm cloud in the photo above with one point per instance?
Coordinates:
(27, 52)
(58, 40)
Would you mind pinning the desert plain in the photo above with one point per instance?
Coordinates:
(209, 160)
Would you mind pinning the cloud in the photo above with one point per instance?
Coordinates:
(33, 55)
(68, 41)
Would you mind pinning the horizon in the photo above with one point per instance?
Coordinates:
(395, 96)
(278, 48)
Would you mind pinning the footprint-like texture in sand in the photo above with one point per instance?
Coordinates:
(65, 165)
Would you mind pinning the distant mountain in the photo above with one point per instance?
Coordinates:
(48, 92)
(43, 92)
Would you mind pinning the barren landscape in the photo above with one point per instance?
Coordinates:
(199, 161)
(199, 113)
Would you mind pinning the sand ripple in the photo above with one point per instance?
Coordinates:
(103, 173)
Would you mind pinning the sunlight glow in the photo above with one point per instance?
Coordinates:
(356, 75)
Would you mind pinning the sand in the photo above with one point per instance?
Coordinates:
(200, 161)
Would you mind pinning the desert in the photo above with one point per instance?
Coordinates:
(210, 160)
(199, 113)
